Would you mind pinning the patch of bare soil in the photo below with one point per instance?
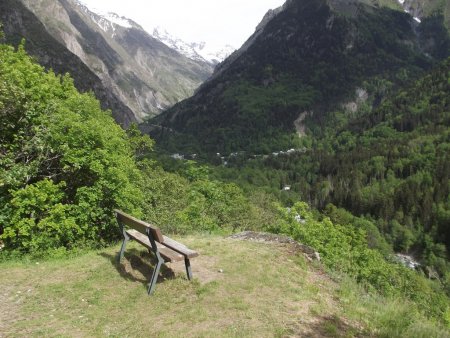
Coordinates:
(294, 246)
(139, 266)
(299, 124)
(204, 268)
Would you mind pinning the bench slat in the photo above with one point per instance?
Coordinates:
(168, 254)
(181, 248)
(139, 225)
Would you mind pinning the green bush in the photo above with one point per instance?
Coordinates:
(193, 201)
(64, 163)
(38, 218)
(344, 248)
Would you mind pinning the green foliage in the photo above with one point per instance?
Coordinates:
(194, 172)
(64, 163)
(40, 219)
(194, 202)
(214, 206)
(140, 143)
(389, 166)
(343, 247)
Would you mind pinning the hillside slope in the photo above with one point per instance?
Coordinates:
(237, 291)
(390, 163)
(19, 22)
(143, 73)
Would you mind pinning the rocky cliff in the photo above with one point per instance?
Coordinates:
(140, 74)
(20, 23)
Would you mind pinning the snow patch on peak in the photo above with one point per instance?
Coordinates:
(197, 51)
(215, 55)
(107, 21)
(118, 20)
(179, 45)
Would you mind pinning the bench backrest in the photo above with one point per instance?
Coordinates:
(139, 225)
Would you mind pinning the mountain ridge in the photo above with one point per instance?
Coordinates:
(198, 51)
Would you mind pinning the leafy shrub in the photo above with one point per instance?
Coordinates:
(344, 248)
(39, 218)
(64, 163)
(194, 202)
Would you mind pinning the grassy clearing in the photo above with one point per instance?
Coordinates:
(241, 289)
(263, 291)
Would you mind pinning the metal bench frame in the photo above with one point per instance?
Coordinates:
(150, 232)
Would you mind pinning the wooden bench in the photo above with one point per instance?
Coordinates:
(165, 249)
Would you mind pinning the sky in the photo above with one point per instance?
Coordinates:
(217, 23)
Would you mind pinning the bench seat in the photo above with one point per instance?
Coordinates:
(164, 248)
(181, 248)
(168, 254)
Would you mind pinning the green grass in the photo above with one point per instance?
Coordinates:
(240, 289)
(386, 317)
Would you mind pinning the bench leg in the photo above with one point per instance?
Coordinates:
(187, 263)
(122, 249)
(154, 277)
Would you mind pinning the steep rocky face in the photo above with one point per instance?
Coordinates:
(143, 73)
(18, 23)
(425, 8)
(308, 56)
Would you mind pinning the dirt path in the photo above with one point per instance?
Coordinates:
(299, 125)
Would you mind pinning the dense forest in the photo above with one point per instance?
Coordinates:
(389, 165)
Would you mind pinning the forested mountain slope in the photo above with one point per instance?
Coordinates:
(360, 94)
(308, 58)
(391, 165)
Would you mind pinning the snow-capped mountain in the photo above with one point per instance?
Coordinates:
(198, 51)
(107, 21)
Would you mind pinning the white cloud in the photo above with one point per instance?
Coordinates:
(215, 22)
